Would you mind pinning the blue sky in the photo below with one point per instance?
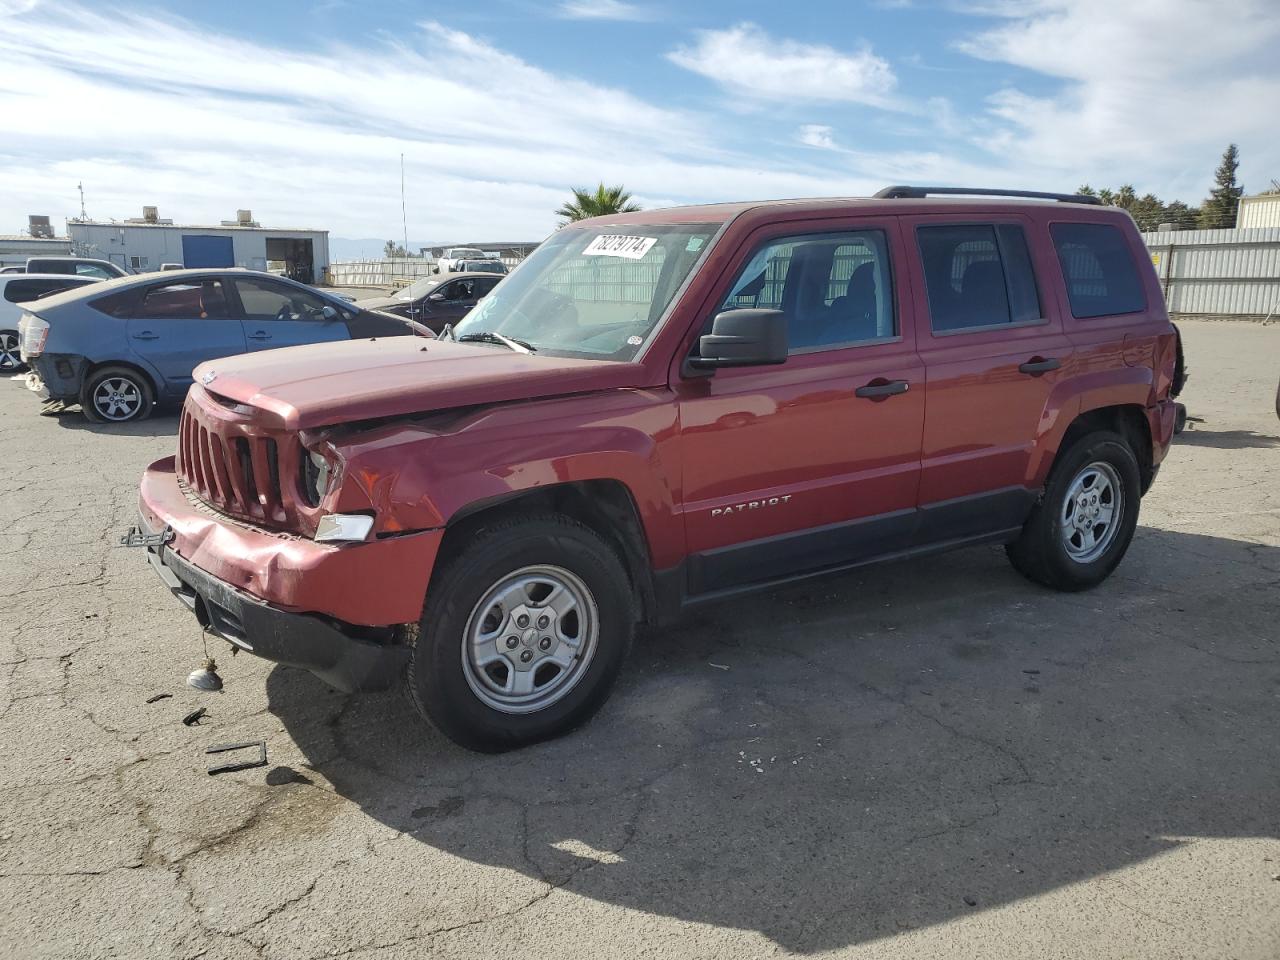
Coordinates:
(301, 111)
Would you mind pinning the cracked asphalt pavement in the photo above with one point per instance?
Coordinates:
(926, 759)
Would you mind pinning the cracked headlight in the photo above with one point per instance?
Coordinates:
(319, 474)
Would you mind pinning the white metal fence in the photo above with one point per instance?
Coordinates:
(1219, 273)
(387, 271)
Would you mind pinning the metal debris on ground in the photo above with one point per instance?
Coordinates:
(193, 718)
(259, 761)
(206, 678)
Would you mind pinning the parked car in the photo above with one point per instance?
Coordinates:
(665, 408)
(17, 290)
(481, 266)
(78, 267)
(13, 268)
(436, 301)
(450, 256)
(165, 267)
(118, 348)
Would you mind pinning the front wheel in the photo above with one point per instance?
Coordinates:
(116, 395)
(1079, 532)
(524, 632)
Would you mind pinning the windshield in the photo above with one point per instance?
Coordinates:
(417, 289)
(472, 252)
(592, 292)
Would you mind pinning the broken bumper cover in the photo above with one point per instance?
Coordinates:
(333, 610)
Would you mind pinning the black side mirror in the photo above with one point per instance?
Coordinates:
(743, 338)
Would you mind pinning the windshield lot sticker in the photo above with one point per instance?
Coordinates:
(629, 248)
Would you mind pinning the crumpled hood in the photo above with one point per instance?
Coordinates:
(327, 383)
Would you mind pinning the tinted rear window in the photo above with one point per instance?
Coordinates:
(20, 291)
(978, 275)
(1098, 268)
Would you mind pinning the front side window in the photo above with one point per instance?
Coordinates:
(189, 300)
(264, 301)
(978, 275)
(1098, 268)
(593, 292)
(834, 288)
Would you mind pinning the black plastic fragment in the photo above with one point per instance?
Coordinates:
(193, 718)
(259, 761)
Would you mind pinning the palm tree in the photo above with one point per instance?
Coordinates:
(603, 200)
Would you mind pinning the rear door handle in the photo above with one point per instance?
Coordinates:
(880, 388)
(1038, 365)
(260, 335)
(146, 335)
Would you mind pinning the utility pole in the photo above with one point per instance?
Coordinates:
(80, 187)
(404, 219)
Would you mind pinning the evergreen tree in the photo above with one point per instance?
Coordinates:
(1220, 209)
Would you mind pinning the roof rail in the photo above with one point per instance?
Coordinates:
(900, 192)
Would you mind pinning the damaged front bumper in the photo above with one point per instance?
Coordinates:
(342, 612)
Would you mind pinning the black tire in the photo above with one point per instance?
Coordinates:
(131, 382)
(10, 361)
(1040, 553)
(439, 680)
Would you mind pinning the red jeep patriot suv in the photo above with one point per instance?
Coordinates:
(659, 409)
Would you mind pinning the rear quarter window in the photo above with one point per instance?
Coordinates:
(1098, 269)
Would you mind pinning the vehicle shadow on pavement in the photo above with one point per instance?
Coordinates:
(845, 760)
(1226, 439)
(163, 423)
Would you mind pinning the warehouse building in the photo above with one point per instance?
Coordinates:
(1260, 211)
(147, 242)
(38, 241)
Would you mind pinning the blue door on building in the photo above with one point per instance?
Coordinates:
(199, 252)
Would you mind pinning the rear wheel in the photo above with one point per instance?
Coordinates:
(524, 632)
(10, 359)
(116, 395)
(1083, 525)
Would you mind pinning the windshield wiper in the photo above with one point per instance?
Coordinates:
(519, 346)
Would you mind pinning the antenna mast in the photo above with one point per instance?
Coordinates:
(404, 219)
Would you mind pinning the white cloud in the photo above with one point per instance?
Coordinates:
(748, 62)
(1151, 90)
(817, 135)
(603, 10)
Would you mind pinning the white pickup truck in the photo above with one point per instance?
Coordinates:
(450, 257)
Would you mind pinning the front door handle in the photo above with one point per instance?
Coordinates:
(260, 335)
(146, 335)
(880, 388)
(1038, 365)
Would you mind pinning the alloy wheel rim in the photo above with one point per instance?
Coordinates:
(117, 398)
(530, 639)
(1091, 512)
(9, 356)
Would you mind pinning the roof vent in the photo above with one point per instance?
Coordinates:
(39, 227)
(244, 217)
(150, 214)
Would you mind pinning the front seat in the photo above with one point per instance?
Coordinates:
(857, 311)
